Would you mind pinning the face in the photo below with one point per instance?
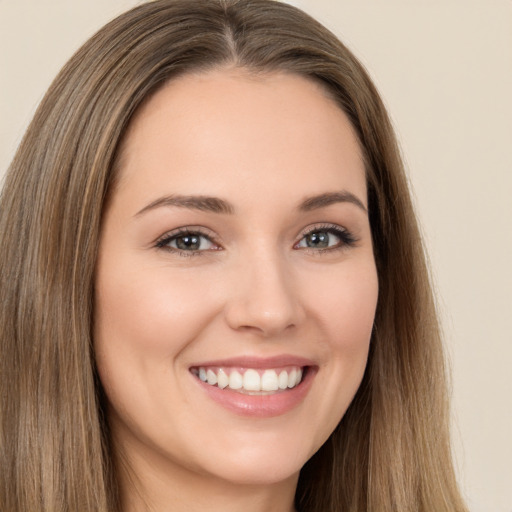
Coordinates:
(236, 284)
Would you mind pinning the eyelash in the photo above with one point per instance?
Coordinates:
(163, 243)
(347, 240)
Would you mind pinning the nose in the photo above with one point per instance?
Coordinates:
(264, 298)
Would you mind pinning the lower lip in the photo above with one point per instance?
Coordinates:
(260, 406)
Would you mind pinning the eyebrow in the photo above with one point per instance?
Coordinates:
(323, 200)
(202, 203)
(221, 206)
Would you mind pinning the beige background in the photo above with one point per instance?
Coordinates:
(444, 68)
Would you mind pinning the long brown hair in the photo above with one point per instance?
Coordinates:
(391, 450)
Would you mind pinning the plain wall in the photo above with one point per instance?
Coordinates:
(444, 69)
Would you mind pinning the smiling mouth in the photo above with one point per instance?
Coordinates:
(251, 381)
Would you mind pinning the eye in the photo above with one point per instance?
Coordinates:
(325, 238)
(187, 241)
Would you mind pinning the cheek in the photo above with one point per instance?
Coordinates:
(346, 307)
(148, 312)
(345, 311)
(143, 322)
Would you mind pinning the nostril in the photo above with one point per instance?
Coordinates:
(251, 318)
(266, 329)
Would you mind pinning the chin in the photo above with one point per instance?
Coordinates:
(256, 463)
(259, 474)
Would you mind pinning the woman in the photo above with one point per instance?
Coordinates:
(212, 280)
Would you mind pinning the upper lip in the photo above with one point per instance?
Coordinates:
(258, 362)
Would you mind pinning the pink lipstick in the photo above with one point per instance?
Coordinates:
(258, 387)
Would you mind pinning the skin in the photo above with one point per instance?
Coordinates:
(263, 143)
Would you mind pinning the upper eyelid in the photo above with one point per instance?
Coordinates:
(211, 234)
(200, 230)
(322, 226)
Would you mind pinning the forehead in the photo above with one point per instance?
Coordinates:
(225, 130)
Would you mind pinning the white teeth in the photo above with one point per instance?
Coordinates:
(283, 380)
(269, 381)
(211, 377)
(292, 377)
(251, 380)
(235, 380)
(222, 379)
